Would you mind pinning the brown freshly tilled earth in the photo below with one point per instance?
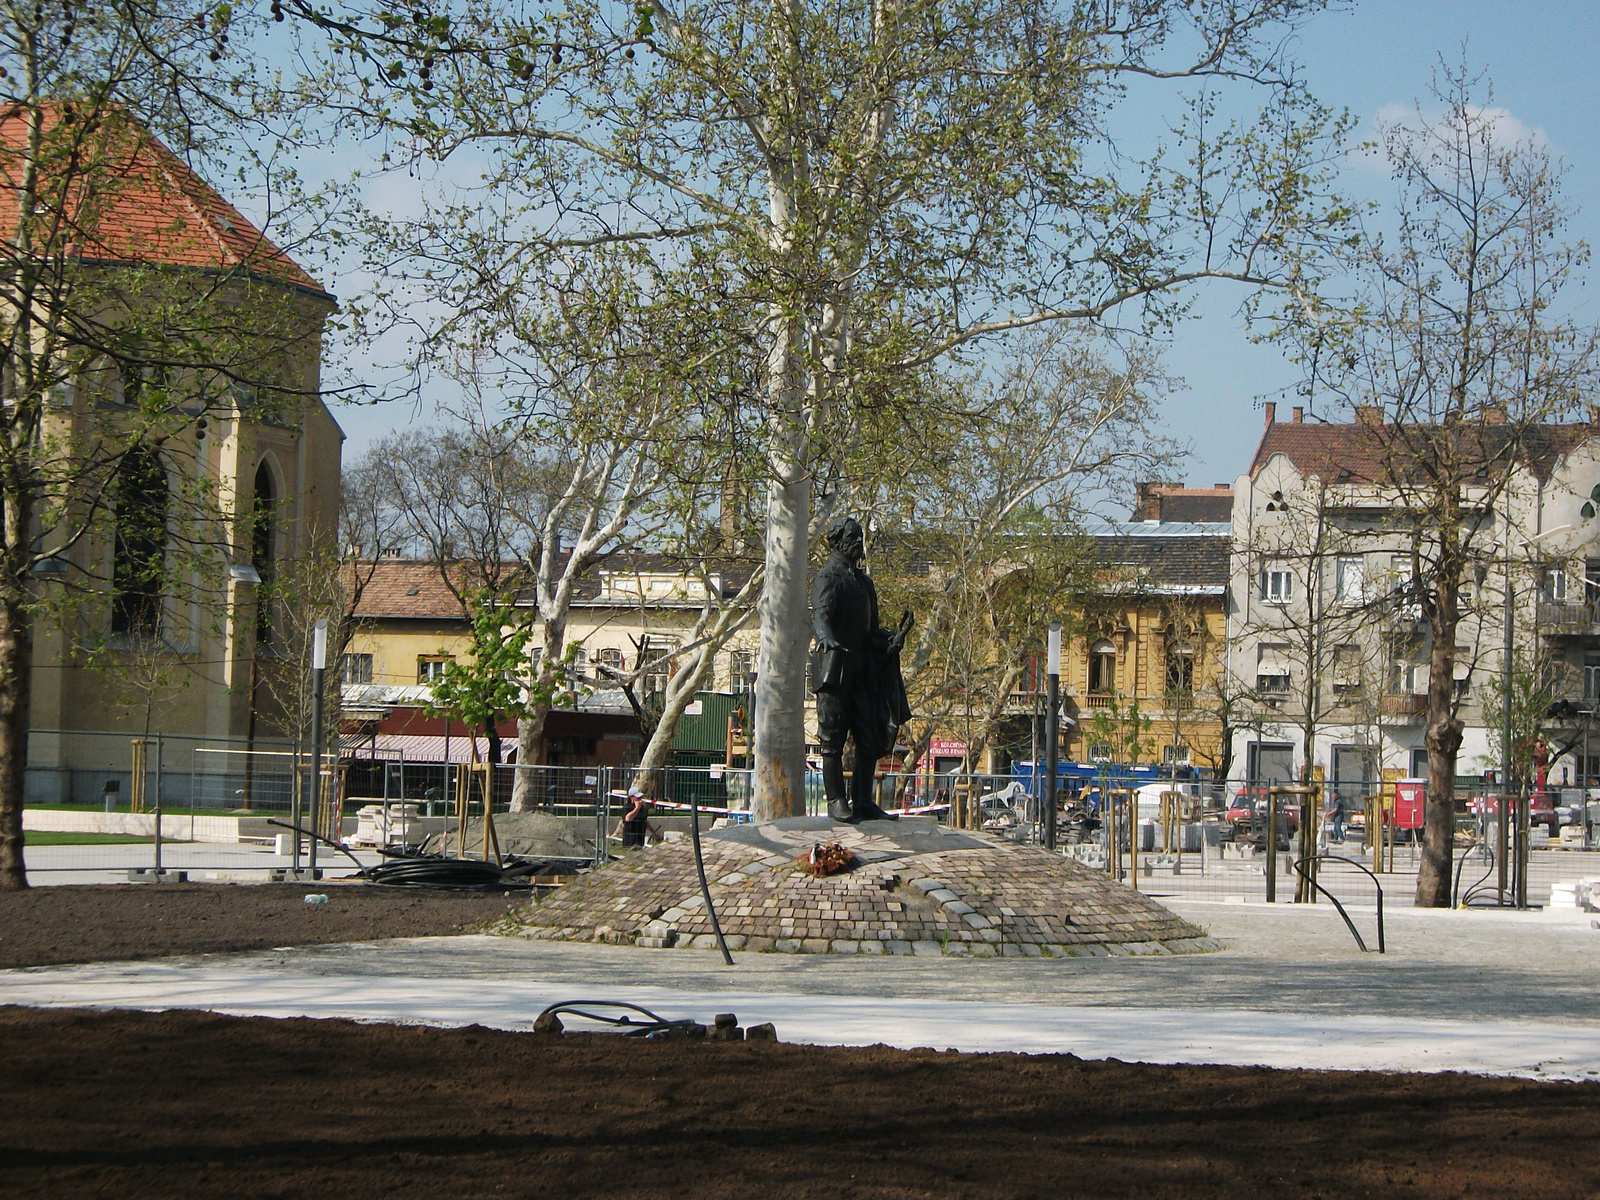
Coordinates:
(196, 1105)
(48, 925)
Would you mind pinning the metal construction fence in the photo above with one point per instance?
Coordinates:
(92, 800)
(1175, 838)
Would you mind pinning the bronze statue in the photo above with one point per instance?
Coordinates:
(855, 673)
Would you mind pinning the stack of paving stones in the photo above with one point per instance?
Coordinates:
(989, 898)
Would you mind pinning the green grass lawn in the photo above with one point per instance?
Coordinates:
(41, 837)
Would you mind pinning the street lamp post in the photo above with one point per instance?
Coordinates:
(319, 663)
(1052, 731)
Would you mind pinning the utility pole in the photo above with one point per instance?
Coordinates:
(319, 663)
(1052, 732)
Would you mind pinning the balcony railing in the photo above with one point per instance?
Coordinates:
(1569, 618)
(1405, 705)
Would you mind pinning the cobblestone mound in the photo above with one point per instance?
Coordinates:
(981, 897)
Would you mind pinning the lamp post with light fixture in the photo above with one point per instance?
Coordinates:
(1052, 731)
(319, 663)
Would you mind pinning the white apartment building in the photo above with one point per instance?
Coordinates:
(1325, 647)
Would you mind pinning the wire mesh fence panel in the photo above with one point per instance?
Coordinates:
(561, 790)
(250, 780)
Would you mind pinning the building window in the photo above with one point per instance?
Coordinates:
(1175, 756)
(608, 661)
(355, 668)
(139, 556)
(1591, 678)
(1347, 669)
(1411, 678)
(430, 667)
(1102, 668)
(1553, 589)
(1272, 669)
(1277, 584)
(1180, 670)
(1100, 752)
(578, 668)
(1349, 585)
(262, 533)
(741, 672)
(655, 663)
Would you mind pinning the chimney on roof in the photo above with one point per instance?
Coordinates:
(1299, 415)
(1222, 487)
(1147, 505)
(1272, 411)
(1494, 415)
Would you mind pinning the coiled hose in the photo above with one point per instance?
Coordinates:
(429, 871)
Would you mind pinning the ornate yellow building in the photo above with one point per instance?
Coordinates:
(1153, 636)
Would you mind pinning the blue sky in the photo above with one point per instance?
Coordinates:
(1369, 58)
(1545, 67)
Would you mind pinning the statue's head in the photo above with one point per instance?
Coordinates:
(845, 537)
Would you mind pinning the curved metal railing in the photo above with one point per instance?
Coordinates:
(1299, 866)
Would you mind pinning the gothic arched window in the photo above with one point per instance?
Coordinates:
(139, 558)
(1102, 668)
(262, 521)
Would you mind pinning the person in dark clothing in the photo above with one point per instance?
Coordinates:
(635, 826)
(856, 674)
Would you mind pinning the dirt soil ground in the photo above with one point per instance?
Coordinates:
(47, 925)
(198, 1105)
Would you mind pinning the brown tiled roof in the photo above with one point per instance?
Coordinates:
(157, 210)
(1361, 453)
(405, 588)
(409, 588)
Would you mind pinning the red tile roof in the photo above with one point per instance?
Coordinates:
(405, 588)
(413, 588)
(1368, 453)
(157, 210)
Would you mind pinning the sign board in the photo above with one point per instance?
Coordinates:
(694, 708)
(941, 748)
(1408, 795)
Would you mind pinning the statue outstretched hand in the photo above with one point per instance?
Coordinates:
(897, 639)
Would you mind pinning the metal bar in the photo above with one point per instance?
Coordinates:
(319, 651)
(1272, 845)
(700, 869)
(1349, 924)
(158, 809)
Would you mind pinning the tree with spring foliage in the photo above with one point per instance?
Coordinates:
(1453, 353)
(850, 191)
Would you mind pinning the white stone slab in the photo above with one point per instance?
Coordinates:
(1532, 1049)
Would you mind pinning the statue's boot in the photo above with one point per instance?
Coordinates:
(833, 787)
(866, 810)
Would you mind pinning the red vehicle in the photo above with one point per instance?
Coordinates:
(1541, 810)
(1247, 813)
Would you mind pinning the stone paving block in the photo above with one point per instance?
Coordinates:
(1047, 904)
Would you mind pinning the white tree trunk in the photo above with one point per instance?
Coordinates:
(780, 734)
(681, 690)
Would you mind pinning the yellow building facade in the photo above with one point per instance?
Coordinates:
(159, 605)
